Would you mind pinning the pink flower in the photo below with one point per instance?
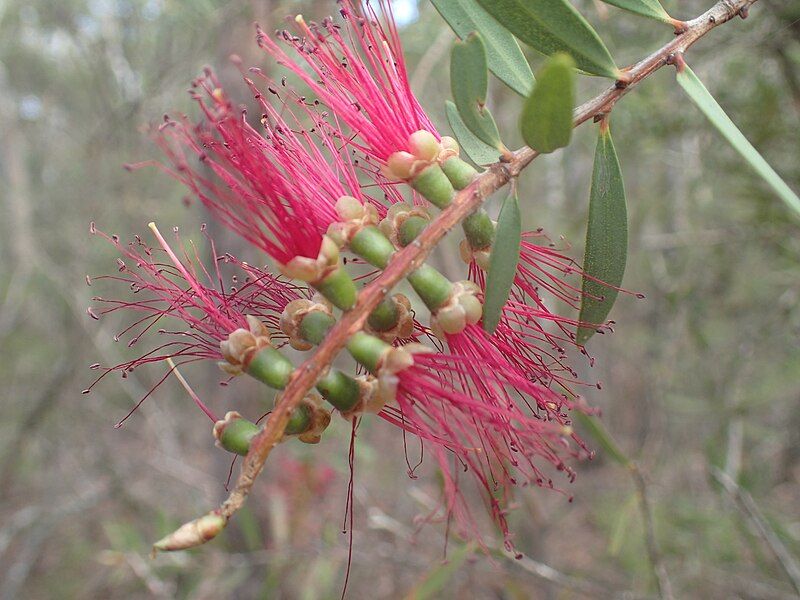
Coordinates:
(466, 408)
(184, 303)
(360, 74)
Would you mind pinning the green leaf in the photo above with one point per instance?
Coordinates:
(503, 262)
(597, 431)
(546, 119)
(479, 152)
(651, 9)
(439, 576)
(552, 26)
(606, 238)
(706, 103)
(468, 80)
(502, 51)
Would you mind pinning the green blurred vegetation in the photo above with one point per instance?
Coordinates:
(704, 372)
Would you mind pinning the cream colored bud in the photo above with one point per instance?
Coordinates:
(348, 208)
(468, 254)
(473, 309)
(397, 208)
(424, 145)
(451, 319)
(257, 327)
(329, 251)
(483, 258)
(396, 360)
(338, 233)
(371, 399)
(387, 387)
(302, 268)
(450, 146)
(193, 533)
(238, 342)
(400, 165)
(469, 287)
(229, 368)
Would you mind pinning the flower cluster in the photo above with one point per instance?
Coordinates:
(310, 181)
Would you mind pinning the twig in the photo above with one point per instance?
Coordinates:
(380, 520)
(653, 551)
(411, 257)
(745, 503)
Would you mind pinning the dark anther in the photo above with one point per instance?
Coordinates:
(620, 85)
(670, 59)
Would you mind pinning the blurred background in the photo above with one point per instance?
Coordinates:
(702, 377)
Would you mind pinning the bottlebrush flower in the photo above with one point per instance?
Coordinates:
(463, 408)
(224, 325)
(360, 74)
(300, 158)
(362, 79)
(530, 333)
(278, 212)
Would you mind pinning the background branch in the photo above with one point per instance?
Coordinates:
(745, 503)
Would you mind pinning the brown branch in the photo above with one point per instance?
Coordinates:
(411, 257)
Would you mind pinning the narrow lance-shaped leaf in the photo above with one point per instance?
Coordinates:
(480, 152)
(503, 53)
(469, 80)
(651, 9)
(503, 262)
(606, 238)
(552, 26)
(708, 105)
(546, 119)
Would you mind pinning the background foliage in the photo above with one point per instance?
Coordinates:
(703, 373)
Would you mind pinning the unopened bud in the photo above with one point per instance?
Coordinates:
(349, 208)
(400, 166)
(450, 148)
(354, 216)
(481, 257)
(313, 270)
(462, 309)
(191, 534)
(424, 145)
